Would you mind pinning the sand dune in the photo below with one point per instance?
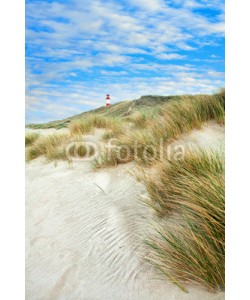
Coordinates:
(84, 235)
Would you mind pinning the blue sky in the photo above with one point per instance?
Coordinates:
(77, 51)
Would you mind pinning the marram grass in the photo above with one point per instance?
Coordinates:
(59, 147)
(193, 249)
(177, 117)
(52, 147)
(30, 138)
(87, 124)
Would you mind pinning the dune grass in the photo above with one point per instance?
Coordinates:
(193, 249)
(110, 134)
(184, 114)
(87, 124)
(106, 159)
(30, 138)
(51, 146)
(139, 118)
(142, 118)
(112, 156)
(59, 146)
(178, 116)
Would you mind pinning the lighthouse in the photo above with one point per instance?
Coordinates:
(107, 100)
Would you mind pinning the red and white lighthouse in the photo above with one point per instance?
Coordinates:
(107, 100)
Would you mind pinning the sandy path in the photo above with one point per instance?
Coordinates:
(84, 237)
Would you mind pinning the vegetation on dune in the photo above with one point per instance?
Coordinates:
(30, 138)
(199, 165)
(139, 119)
(105, 159)
(192, 250)
(108, 135)
(113, 134)
(115, 110)
(111, 156)
(59, 147)
(54, 124)
(51, 146)
(178, 116)
(87, 124)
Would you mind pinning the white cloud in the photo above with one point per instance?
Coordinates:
(169, 56)
(113, 73)
(150, 5)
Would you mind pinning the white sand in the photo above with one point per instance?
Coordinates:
(47, 131)
(211, 136)
(84, 236)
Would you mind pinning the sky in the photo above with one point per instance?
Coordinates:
(77, 51)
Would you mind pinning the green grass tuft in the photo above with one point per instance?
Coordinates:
(30, 138)
(51, 146)
(192, 249)
(87, 124)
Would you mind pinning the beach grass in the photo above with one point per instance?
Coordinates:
(52, 147)
(193, 249)
(87, 124)
(30, 138)
(178, 116)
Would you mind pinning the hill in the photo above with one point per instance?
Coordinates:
(120, 109)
